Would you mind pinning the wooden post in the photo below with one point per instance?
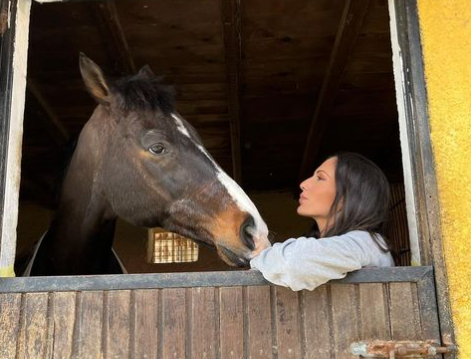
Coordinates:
(422, 200)
(231, 22)
(108, 19)
(350, 25)
(14, 56)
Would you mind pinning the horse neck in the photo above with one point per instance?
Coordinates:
(81, 235)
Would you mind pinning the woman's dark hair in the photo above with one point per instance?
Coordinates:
(361, 201)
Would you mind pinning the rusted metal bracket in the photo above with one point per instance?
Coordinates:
(399, 349)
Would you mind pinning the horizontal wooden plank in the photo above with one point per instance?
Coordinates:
(262, 21)
(287, 47)
(194, 279)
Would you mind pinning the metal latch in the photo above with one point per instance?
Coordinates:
(399, 349)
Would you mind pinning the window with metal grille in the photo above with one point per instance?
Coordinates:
(168, 247)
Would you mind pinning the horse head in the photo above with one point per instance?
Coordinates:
(151, 167)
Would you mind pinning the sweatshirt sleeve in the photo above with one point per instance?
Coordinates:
(306, 263)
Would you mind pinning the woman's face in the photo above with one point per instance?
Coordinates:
(318, 192)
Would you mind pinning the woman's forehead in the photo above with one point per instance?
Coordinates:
(328, 166)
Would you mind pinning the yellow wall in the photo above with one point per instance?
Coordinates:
(446, 40)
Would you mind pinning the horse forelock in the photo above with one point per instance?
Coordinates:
(138, 93)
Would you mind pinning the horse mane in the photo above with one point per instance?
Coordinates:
(142, 93)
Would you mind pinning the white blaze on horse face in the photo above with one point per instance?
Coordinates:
(181, 126)
(238, 195)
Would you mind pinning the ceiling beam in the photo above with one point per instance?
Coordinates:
(52, 122)
(231, 21)
(350, 25)
(107, 17)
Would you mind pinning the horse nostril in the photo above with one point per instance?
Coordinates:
(246, 232)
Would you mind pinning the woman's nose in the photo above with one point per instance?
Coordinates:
(303, 185)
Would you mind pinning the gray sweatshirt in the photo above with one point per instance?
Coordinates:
(306, 263)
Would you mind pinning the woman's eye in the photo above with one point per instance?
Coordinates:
(158, 149)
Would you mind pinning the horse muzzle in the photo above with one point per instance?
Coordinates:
(232, 258)
(252, 244)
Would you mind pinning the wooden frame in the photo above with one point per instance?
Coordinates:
(14, 55)
(422, 193)
(420, 180)
(195, 279)
(220, 315)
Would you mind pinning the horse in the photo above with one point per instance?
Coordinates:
(139, 160)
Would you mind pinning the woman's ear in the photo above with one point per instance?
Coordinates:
(94, 80)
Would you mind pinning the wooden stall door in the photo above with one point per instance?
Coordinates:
(212, 315)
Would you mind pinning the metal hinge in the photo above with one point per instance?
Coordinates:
(399, 349)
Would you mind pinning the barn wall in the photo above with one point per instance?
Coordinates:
(446, 40)
(33, 221)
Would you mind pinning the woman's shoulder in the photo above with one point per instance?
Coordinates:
(364, 235)
(354, 235)
(380, 257)
(360, 239)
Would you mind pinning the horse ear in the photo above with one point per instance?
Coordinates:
(94, 80)
(146, 72)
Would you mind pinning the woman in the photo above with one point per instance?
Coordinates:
(348, 198)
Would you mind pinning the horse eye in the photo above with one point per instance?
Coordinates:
(158, 149)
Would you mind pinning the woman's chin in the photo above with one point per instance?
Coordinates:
(302, 212)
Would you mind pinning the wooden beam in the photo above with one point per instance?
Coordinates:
(350, 24)
(52, 122)
(108, 19)
(197, 279)
(231, 20)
